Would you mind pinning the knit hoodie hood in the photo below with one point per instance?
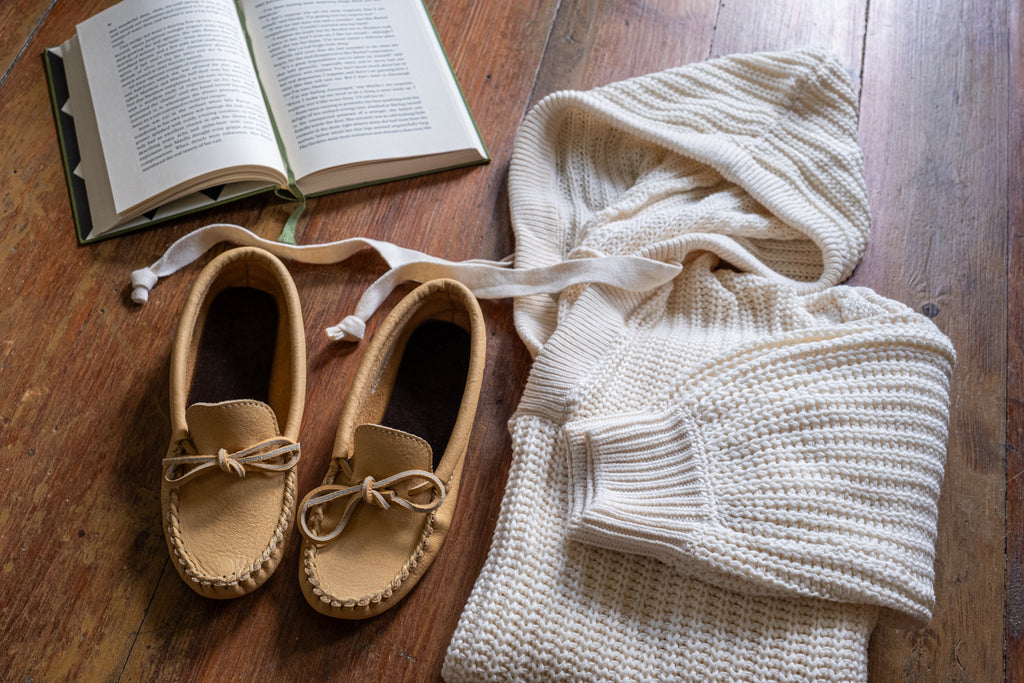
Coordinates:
(753, 158)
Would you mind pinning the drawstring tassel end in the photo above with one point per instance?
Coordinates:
(352, 328)
(143, 281)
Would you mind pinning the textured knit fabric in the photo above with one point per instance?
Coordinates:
(724, 477)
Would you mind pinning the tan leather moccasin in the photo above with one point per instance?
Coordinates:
(238, 383)
(384, 509)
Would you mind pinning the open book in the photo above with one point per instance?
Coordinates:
(165, 107)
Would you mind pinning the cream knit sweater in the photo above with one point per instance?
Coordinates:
(725, 477)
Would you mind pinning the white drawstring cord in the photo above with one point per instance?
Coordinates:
(486, 279)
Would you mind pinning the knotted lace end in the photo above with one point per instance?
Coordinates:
(352, 328)
(143, 281)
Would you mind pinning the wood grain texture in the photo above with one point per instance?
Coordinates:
(934, 132)
(78, 538)
(1015, 353)
(750, 26)
(596, 43)
(19, 19)
(86, 591)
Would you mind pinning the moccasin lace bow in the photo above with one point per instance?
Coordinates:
(273, 455)
(370, 491)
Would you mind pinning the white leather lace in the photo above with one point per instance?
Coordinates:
(268, 456)
(372, 492)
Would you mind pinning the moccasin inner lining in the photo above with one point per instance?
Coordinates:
(428, 387)
(236, 352)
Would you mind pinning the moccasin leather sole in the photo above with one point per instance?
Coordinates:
(378, 521)
(237, 392)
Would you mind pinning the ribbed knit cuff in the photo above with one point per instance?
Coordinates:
(808, 466)
(638, 482)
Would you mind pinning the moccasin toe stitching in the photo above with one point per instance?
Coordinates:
(383, 595)
(249, 572)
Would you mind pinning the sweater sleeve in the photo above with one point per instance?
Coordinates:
(809, 465)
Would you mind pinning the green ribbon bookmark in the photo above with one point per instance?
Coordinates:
(287, 235)
(288, 232)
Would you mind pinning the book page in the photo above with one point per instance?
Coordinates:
(176, 96)
(353, 81)
(90, 167)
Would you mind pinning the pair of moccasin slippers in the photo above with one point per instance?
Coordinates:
(237, 385)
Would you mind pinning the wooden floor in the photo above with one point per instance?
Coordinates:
(86, 588)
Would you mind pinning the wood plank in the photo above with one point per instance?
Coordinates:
(78, 536)
(934, 131)
(596, 43)
(1014, 631)
(20, 19)
(748, 26)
